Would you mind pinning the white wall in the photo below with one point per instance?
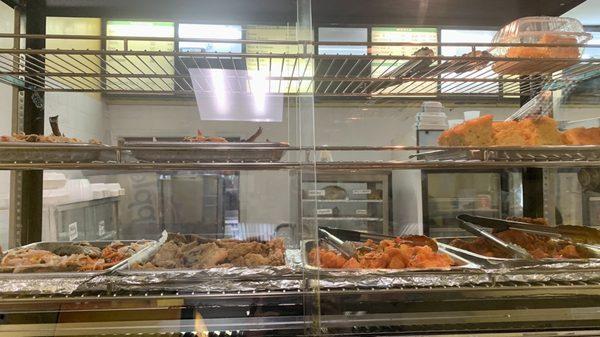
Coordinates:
(6, 26)
(81, 115)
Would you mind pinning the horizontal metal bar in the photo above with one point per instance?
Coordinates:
(216, 55)
(366, 165)
(288, 42)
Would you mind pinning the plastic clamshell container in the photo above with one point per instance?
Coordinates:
(559, 31)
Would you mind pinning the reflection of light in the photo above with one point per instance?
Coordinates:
(258, 85)
(218, 81)
(199, 325)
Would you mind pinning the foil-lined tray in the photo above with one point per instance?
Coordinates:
(60, 282)
(51, 245)
(24, 152)
(308, 245)
(510, 263)
(514, 153)
(203, 152)
(288, 276)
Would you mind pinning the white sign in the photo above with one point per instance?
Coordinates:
(316, 193)
(73, 231)
(361, 212)
(367, 191)
(325, 211)
(101, 230)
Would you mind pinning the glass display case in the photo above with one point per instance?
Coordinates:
(252, 168)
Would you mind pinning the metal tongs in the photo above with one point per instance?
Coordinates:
(346, 248)
(579, 236)
(510, 248)
(342, 239)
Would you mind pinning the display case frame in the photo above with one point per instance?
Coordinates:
(565, 298)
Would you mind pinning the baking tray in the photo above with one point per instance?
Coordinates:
(48, 245)
(498, 262)
(25, 152)
(57, 282)
(203, 152)
(148, 254)
(221, 279)
(515, 153)
(464, 263)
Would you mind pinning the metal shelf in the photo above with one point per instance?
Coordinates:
(542, 157)
(297, 72)
(342, 218)
(343, 201)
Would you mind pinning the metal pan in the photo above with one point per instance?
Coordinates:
(148, 255)
(515, 153)
(24, 152)
(506, 262)
(52, 270)
(462, 263)
(203, 152)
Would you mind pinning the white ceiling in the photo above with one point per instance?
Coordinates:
(588, 13)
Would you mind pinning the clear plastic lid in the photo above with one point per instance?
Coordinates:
(532, 29)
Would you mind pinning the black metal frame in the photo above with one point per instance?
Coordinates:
(33, 123)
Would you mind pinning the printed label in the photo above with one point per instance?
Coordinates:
(325, 211)
(316, 193)
(101, 230)
(361, 212)
(367, 191)
(73, 231)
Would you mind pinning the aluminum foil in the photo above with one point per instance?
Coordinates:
(557, 272)
(211, 279)
(41, 284)
(365, 278)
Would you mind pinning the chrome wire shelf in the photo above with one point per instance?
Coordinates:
(297, 71)
(23, 157)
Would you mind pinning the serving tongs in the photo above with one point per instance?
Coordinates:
(510, 248)
(583, 238)
(576, 234)
(361, 236)
(346, 248)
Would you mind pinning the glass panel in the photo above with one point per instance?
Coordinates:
(483, 194)
(286, 68)
(6, 26)
(592, 52)
(386, 67)
(135, 65)
(468, 36)
(197, 31)
(76, 63)
(327, 34)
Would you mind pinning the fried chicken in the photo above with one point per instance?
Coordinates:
(200, 138)
(539, 246)
(67, 257)
(195, 252)
(402, 252)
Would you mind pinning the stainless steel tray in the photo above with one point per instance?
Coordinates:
(47, 245)
(462, 263)
(498, 262)
(148, 254)
(203, 152)
(24, 152)
(514, 153)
